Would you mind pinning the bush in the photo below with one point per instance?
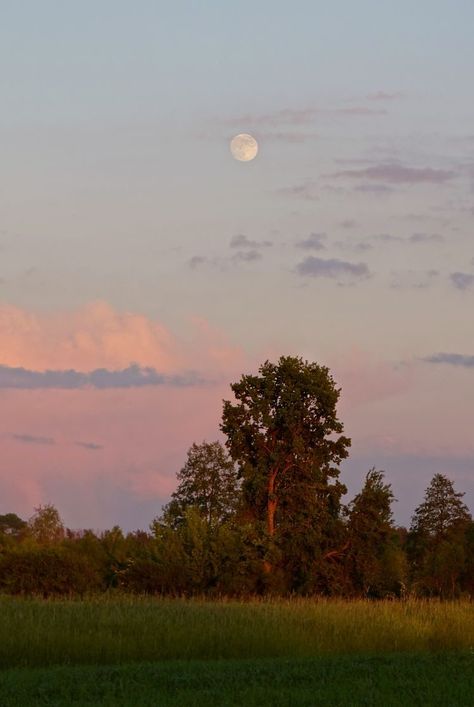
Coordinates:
(46, 572)
(142, 576)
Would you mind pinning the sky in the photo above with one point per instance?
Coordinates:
(143, 269)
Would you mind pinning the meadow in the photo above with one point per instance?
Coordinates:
(132, 651)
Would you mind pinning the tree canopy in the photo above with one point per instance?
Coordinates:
(284, 434)
(375, 559)
(441, 511)
(207, 482)
(46, 525)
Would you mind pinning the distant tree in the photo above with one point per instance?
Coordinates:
(12, 525)
(441, 511)
(438, 539)
(46, 525)
(114, 547)
(208, 482)
(284, 434)
(375, 559)
(467, 579)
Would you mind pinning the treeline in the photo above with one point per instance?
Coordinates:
(262, 514)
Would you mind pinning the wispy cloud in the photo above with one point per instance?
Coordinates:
(313, 242)
(301, 116)
(414, 239)
(354, 246)
(307, 191)
(378, 189)
(241, 241)
(387, 238)
(332, 268)
(356, 110)
(247, 250)
(223, 264)
(348, 223)
(92, 446)
(289, 136)
(462, 280)
(413, 279)
(451, 359)
(394, 173)
(132, 377)
(197, 260)
(246, 256)
(33, 439)
(384, 96)
(425, 238)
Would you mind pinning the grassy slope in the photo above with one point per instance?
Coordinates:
(402, 679)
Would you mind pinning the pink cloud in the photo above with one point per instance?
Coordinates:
(59, 445)
(92, 337)
(98, 336)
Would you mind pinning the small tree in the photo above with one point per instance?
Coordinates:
(208, 482)
(437, 541)
(46, 525)
(441, 511)
(12, 525)
(375, 559)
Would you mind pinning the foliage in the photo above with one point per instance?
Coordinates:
(46, 572)
(438, 544)
(207, 481)
(46, 525)
(12, 525)
(441, 512)
(284, 434)
(375, 559)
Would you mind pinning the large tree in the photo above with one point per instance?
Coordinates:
(284, 434)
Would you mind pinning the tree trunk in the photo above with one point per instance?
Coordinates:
(272, 503)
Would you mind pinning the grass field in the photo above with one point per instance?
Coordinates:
(175, 652)
(403, 679)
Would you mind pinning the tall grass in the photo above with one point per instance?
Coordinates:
(39, 633)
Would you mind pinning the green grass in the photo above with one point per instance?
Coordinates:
(403, 679)
(138, 652)
(100, 632)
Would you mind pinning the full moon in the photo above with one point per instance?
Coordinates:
(244, 147)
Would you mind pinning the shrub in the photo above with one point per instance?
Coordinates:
(46, 572)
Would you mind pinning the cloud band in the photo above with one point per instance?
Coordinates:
(133, 376)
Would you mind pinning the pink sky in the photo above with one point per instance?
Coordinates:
(82, 448)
